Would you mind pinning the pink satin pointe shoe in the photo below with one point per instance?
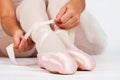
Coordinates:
(84, 61)
(61, 63)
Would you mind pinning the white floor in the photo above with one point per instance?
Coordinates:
(108, 64)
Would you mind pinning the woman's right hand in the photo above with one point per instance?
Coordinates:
(20, 43)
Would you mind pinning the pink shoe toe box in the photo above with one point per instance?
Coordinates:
(57, 63)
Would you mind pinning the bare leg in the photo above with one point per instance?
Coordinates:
(52, 54)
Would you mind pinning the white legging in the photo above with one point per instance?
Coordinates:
(88, 35)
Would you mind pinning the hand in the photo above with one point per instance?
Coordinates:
(20, 43)
(69, 15)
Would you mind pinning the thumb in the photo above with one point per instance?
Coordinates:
(16, 42)
(60, 14)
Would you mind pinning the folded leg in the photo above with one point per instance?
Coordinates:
(85, 62)
(48, 44)
(89, 36)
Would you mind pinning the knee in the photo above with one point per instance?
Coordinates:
(93, 48)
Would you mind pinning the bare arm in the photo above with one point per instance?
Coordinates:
(8, 17)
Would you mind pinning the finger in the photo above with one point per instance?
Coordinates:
(16, 42)
(60, 14)
(30, 44)
(23, 45)
(74, 24)
(67, 16)
(68, 23)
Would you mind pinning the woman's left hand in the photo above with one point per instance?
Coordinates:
(69, 15)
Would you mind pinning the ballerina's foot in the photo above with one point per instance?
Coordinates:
(61, 63)
(84, 61)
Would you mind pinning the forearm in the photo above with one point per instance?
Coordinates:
(8, 17)
(10, 24)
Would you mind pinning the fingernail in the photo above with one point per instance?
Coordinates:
(59, 22)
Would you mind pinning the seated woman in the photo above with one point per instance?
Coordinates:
(63, 48)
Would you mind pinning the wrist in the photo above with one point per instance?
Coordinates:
(80, 4)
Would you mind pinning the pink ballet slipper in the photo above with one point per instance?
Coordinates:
(61, 63)
(84, 61)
